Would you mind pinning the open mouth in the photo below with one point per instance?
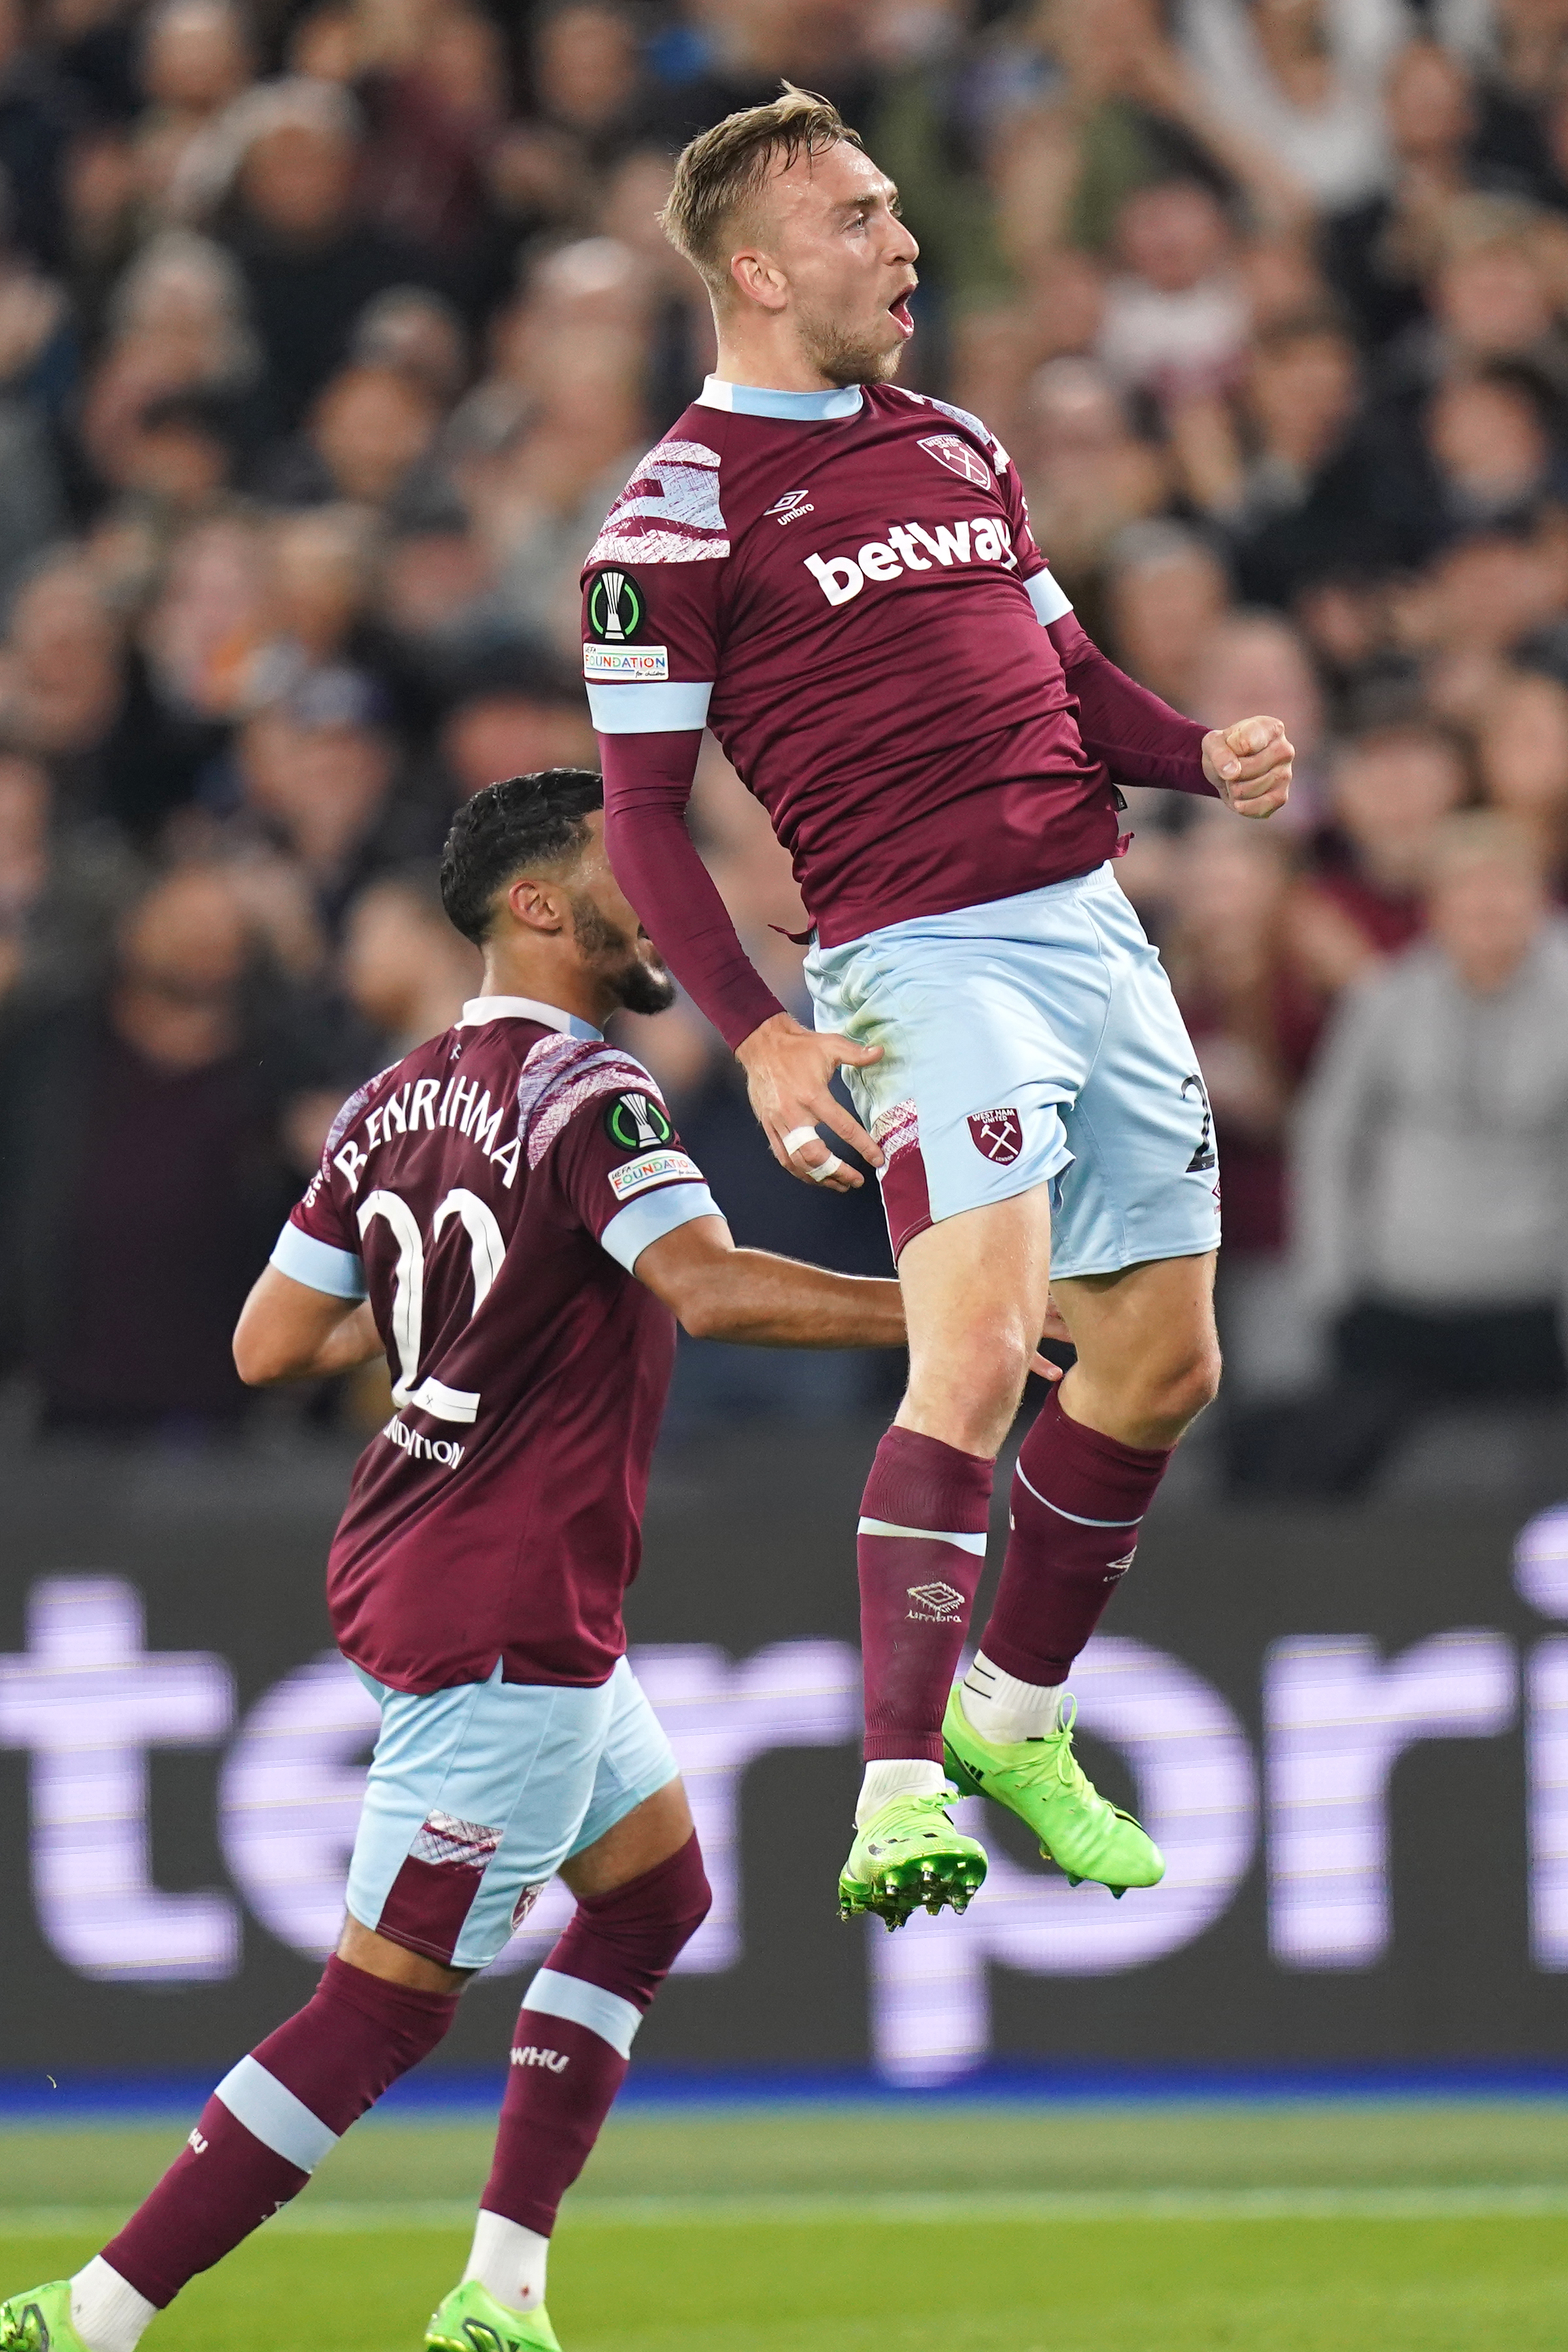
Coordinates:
(899, 313)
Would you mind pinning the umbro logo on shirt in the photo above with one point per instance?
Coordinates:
(790, 508)
(911, 546)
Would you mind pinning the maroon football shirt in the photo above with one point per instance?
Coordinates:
(491, 1191)
(844, 587)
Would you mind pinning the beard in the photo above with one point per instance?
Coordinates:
(640, 985)
(846, 358)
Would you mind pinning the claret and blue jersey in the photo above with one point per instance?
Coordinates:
(843, 586)
(780, 558)
(492, 1194)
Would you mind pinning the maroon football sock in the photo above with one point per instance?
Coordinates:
(922, 1548)
(1078, 1498)
(272, 2119)
(573, 2037)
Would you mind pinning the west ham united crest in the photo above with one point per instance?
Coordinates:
(949, 450)
(998, 1134)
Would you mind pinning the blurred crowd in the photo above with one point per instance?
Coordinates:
(329, 331)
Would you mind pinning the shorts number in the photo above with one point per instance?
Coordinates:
(487, 1248)
(1203, 1158)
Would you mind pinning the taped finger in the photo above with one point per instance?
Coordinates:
(796, 1138)
(830, 1167)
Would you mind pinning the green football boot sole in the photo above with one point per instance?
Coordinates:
(471, 2320)
(909, 1857)
(39, 2320)
(1042, 1782)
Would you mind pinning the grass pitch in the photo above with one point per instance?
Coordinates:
(1339, 2228)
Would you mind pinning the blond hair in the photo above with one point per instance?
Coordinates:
(724, 168)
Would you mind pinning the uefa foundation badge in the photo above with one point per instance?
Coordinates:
(615, 614)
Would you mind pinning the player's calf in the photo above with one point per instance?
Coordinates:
(569, 2058)
(260, 2136)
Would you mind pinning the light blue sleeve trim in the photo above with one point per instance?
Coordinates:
(649, 710)
(632, 1229)
(615, 2020)
(271, 2114)
(1046, 598)
(318, 1264)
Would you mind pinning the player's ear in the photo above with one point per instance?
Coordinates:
(538, 906)
(759, 280)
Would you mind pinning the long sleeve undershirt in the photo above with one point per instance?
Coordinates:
(649, 778)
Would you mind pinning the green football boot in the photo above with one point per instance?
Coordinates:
(471, 2320)
(1042, 1781)
(910, 1853)
(40, 2320)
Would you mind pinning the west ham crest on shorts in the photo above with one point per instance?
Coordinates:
(950, 450)
(999, 1134)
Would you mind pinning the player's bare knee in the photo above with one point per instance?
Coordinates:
(1185, 1392)
(967, 1394)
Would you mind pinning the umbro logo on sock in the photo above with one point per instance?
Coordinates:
(936, 1601)
(527, 2055)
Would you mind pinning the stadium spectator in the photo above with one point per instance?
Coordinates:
(1167, 590)
(1521, 759)
(1390, 790)
(1176, 316)
(1254, 1019)
(317, 782)
(407, 973)
(1378, 252)
(1088, 473)
(1306, 77)
(1282, 471)
(1431, 1170)
(510, 726)
(61, 889)
(311, 259)
(141, 1174)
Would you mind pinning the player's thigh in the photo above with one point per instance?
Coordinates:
(475, 1796)
(1143, 1183)
(983, 1038)
(975, 1291)
(638, 1815)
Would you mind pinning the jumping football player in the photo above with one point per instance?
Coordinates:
(509, 1214)
(837, 577)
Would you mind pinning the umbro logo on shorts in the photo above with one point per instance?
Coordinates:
(939, 1600)
(999, 1135)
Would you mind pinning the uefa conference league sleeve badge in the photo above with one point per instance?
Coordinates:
(613, 654)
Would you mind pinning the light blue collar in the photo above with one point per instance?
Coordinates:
(757, 400)
(480, 1009)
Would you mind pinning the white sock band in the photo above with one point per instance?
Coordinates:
(897, 1776)
(508, 2261)
(106, 2310)
(1003, 1710)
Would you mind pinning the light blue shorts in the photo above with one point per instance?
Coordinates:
(477, 1796)
(1031, 1040)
